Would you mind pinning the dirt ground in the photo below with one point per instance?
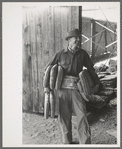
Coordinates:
(103, 124)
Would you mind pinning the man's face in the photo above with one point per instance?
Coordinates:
(74, 42)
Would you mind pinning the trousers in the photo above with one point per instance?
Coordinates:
(70, 101)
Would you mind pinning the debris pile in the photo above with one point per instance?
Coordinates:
(108, 75)
(108, 82)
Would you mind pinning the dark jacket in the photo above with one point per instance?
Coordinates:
(73, 63)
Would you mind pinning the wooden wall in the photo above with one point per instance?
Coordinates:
(103, 38)
(43, 32)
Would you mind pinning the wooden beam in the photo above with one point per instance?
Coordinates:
(105, 27)
(111, 44)
(80, 23)
(105, 37)
(92, 46)
(92, 36)
(85, 37)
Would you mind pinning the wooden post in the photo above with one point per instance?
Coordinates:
(80, 24)
(92, 45)
(105, 36)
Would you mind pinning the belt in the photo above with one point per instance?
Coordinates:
(70, 82)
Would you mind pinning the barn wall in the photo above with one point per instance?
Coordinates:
(43, 32)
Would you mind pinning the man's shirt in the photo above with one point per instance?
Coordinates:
(73, 63)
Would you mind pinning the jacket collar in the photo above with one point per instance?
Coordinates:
(66, 50)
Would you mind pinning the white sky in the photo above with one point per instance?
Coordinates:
(109, 13)
(89, 9)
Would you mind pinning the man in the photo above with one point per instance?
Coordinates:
(72, 59)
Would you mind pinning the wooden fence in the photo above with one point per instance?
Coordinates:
(43, 32)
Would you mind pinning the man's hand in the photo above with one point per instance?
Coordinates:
(95, 88)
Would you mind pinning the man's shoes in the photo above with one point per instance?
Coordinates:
(74, 142)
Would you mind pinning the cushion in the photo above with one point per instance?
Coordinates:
(53, 75)
(46, 78)
(86, 82)
(59, 78)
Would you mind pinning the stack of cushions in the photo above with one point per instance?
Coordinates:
(53, 77)
(85, 86)
(46, 78)
(59, 78)
(86, 81)
(52, 81)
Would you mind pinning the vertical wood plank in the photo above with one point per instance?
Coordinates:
(93, 31)
(39, 59)
(30, 62)
(74, 17)
(27, 94)
(110, 36)
(69, 18)
(80, 24)
(50, 23)
(105, 36)
(86, 29)
(34, 62)
(45, 50)
(57, 28)
(99, 40)
(64, 24)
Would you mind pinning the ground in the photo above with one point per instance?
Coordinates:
(103, 124)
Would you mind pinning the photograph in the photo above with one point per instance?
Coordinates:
(69, 72)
